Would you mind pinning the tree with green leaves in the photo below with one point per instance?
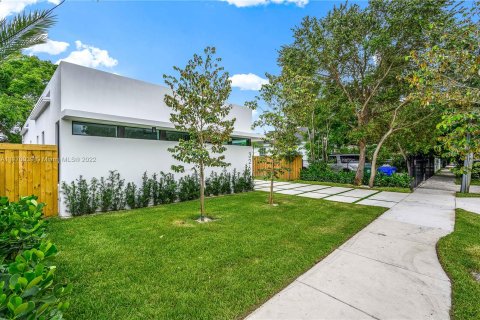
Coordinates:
(198, 103)
(22, 81)
(448, 75)
(279, 130)
(359, 53)
(23, 31)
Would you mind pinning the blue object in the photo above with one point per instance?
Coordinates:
(388, 170)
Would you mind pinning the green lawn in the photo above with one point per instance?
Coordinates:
(473, 182)
(157, 263)
(459, 254)
(467, 195)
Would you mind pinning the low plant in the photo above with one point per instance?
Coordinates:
(225, 182)
(29, 289)
(145, 192)
(320, 171)
(21, 226)
(189, 187)
(80, 197)
(213, 184)
(131, 195)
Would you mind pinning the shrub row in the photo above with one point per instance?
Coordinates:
(320, 171)
(112, 194)
(29, 289)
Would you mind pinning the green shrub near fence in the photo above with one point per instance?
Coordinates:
(321, 172)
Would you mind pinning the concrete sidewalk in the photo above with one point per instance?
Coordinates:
(389, 270)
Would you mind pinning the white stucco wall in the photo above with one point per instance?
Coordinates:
(91, 90)
(95, 156)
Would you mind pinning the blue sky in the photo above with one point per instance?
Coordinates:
(144, 39)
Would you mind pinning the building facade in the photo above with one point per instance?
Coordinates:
(101, 122)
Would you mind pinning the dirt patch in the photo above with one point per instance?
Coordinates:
(182, 223)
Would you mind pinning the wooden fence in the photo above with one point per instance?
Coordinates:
(293, 172)
(27, 169)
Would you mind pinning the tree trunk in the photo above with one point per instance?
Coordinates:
(467, 177)
(270, 196)
(405, 157)
(373, 171)
(361, 162)
(202, 192)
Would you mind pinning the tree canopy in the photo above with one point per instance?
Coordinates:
(22, 81)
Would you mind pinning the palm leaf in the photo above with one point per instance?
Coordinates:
(24, 30)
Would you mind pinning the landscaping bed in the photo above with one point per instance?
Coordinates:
(459, 254)
(158, 263)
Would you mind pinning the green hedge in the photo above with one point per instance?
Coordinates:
(29, 288)
(111, 193)
(321, 172)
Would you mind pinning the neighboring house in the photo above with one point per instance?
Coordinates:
(101, 121)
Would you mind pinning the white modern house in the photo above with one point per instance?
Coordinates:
(102, 121)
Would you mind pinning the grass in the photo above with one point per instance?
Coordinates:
(473, 182)
(157, 263)
(347, 185)
(459, 254)
(467, 195)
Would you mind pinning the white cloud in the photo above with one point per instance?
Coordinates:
(8, 7)
(90, 56)
(252, 3)
(51, 47)
(247, 81)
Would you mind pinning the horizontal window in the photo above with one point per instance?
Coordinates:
(240, 141)
(141, 133)
(173, 135)
(94, 129)
(106, 130)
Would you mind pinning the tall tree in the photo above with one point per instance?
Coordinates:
(359, 53)
(198, 101)
(279, 130)
(22, 81)
(23, 31)
(448, 74)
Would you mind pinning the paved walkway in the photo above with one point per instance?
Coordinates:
(389, 270)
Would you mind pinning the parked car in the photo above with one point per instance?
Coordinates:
(345, 162)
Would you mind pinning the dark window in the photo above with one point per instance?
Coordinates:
(174, 135)
(348, 159)
(140, 133)
(240, 141)
(94, 129)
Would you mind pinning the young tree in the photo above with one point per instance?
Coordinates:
(359, 53)
(279, 130)
(198, 107)
(23, 31)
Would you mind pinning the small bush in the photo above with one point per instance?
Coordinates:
(131, 195)
(189, 187)
(21, 226)
(80, 197)
(145, 192)
(225, 182)
(111, 193)
(27, 278)
(213, 185)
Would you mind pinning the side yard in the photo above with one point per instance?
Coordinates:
(459, 253)
(158, 263)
